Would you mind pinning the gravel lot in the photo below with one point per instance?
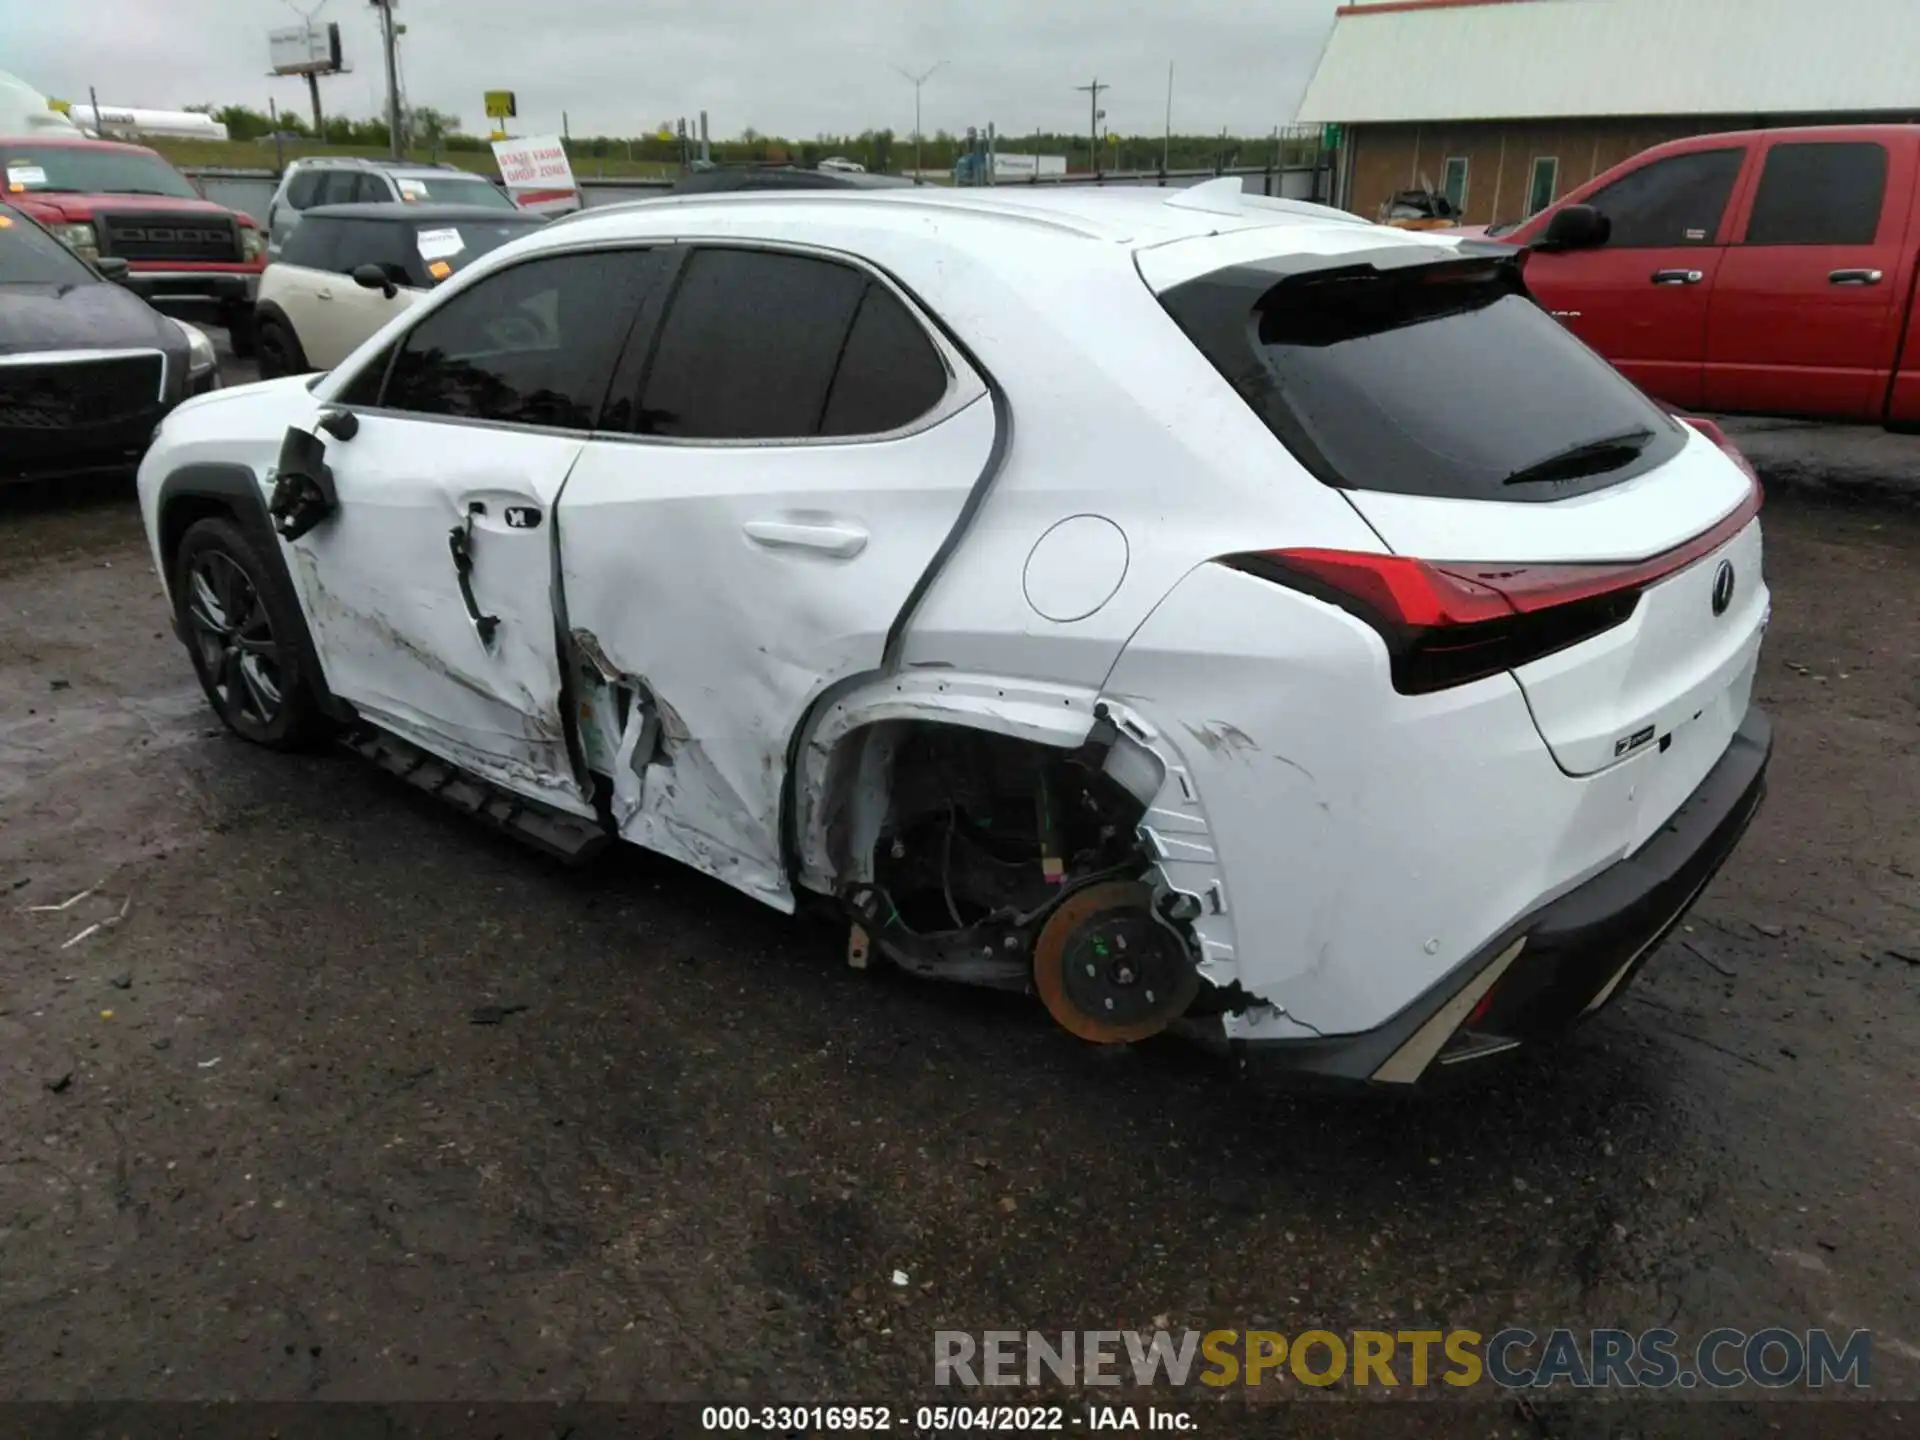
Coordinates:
(252, 1144)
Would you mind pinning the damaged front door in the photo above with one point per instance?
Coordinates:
(430, 587)
(802, 446)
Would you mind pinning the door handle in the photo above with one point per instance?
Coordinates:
(323, 294)
(1678, 277)
(841, 541)
(460, 546)
(1855, 277)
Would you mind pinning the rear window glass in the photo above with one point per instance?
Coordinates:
(452, 190)
(1438, 379)
(442, 249)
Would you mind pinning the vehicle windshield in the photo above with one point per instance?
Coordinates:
(1434, 378)
(30, 256)
(448, 248)
(90, 170)
(452, 190)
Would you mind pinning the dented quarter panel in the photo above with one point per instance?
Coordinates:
(677, 561)
(1354, 875)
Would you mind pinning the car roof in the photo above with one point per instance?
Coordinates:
(402, 210)
(1134, 215)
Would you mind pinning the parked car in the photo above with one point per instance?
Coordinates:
(781, 177)
(349, 269)
(1765, 271)
(87, 368)
(703, 526)
(108, 199)
(349, 180)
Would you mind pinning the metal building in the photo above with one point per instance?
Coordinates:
(1504, 105)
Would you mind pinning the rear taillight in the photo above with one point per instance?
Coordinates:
(1448, 622)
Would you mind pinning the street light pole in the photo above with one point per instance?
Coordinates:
(917, 81)
(1093, 123)
(393, 78)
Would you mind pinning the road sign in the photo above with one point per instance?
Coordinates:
(501, 105)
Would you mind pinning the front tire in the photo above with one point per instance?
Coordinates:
(279, 349)
(242, 632)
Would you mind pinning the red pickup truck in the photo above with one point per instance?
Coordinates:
(1766, 271)
(103, 198)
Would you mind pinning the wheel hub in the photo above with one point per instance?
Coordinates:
(1110, 972)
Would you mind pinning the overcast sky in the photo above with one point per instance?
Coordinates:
(783, 67)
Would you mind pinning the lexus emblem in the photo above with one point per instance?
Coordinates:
(1723, 587)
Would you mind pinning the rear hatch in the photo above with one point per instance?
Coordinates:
(1548, 518)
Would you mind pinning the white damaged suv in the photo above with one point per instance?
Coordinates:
(1197, 610)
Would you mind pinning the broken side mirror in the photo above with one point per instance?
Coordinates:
(375, 277)
(303, 493)
(1575, 227)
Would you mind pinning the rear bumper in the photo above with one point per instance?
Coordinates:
(1564, 961)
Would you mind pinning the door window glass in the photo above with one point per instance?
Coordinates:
(1675, 201)
(336, 187)
(1455, 185)
(534, 344)
(749, 346)
(386, 243)
(765, 346)
(1544, 184)
(1819, 194)
(314, 245)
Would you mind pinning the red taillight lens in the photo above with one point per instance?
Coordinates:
(1447, 622)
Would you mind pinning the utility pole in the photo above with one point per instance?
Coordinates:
(917, 81)
(1093, 124)
(393, 74)
(1166, 146)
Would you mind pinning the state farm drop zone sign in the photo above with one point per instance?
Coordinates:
(537, 175)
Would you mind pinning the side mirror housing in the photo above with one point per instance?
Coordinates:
(375, 277)
(114, 268)
(1575, 227)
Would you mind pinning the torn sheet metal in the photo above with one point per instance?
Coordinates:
(728, 589)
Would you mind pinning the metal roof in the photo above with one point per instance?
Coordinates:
(1421, 60)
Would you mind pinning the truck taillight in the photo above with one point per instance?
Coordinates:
(1449, 622)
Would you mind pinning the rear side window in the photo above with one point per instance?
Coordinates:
(1819, 194)
(1423, 378)
(765, 346)
(1675, 201)
(534, 344)
(889, 373)
(314, 245)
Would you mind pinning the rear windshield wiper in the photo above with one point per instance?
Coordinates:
(1589, 457)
